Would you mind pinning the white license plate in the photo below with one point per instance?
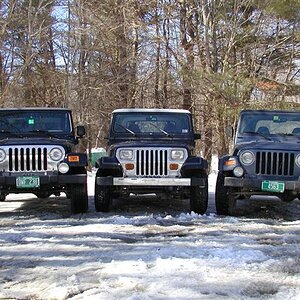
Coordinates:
(28, 182)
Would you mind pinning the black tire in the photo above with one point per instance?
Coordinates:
(2, 197)
(79, 198)
(224, 200)
(199, 198)
(43, 195)
(287, 197)
(102, 198)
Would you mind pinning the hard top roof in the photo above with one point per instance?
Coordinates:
(276, 111)
(34, 108)
(151, 110)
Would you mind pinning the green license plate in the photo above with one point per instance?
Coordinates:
(272, 186)
(28, 182)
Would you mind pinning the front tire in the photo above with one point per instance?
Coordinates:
(2, 197)
(79, 198)
(102, 198)
(199, 198)
(224, 200)
(287, 197)
(43, 195)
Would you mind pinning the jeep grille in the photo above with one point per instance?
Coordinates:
(275, 163)
(30, 159)
(151, 162)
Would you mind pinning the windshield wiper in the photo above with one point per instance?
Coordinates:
(11, 133)
(42, 132)
(258, 133)
(290, 134)
(125, 128)
(161, 130)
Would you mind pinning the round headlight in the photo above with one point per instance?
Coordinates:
(63, 168)
(297, 160)
(56, 154)
(2, 155)
(126, 154)
(238, 172)
(247, 158)
(177, 154)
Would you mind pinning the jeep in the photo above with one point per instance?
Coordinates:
(151, 151)
(265, 159)
(37, 155)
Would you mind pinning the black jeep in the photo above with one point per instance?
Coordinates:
(37, 155)
(265, 159)
(152, 151)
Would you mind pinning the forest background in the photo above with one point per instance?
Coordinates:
(213, 57)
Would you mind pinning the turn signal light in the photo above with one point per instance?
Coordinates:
(129, 167)
(230, 162)
(73, 158)
(173, 167)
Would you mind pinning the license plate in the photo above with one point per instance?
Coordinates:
(28, 182)
(272, 186)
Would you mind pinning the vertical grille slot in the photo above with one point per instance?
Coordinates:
(275, 163)
(16, 159)
(45, 159)
(27, 159)
(151, 162)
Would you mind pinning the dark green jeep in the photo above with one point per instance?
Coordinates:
(37, 155)
(152, 151)
(265, 159)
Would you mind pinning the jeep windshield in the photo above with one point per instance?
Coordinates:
(26, 122)
(268, 124)
(136, 123)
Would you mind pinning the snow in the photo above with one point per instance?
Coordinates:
(148, 250)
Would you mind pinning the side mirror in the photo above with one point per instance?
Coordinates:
(197, 136)
(80, 130)
(229, 131)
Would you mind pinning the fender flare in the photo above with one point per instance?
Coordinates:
(194, 166)
(108, 166)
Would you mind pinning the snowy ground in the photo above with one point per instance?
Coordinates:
(148, 250)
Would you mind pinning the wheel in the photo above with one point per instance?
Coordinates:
(102, 198)
(287, 197)
(42, 195)
(79, 198)
(199, 198)
(224, 200)
(2, 197)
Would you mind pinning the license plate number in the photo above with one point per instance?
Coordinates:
(28, 182)
(272, 186)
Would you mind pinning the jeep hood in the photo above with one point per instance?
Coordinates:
(36, 141)
(150, 144)
(280, 145)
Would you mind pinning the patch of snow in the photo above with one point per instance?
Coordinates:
(146, 253)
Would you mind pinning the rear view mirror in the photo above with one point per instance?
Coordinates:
(80, 131)
(197, 136)
(229, 131)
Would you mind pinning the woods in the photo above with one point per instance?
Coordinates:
(213, 57)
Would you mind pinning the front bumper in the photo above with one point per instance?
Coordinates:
(255, 184)
(146, 182)
(9, 180)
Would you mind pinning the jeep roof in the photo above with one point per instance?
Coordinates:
(34, 108)
(269, 111)
(154, 110)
